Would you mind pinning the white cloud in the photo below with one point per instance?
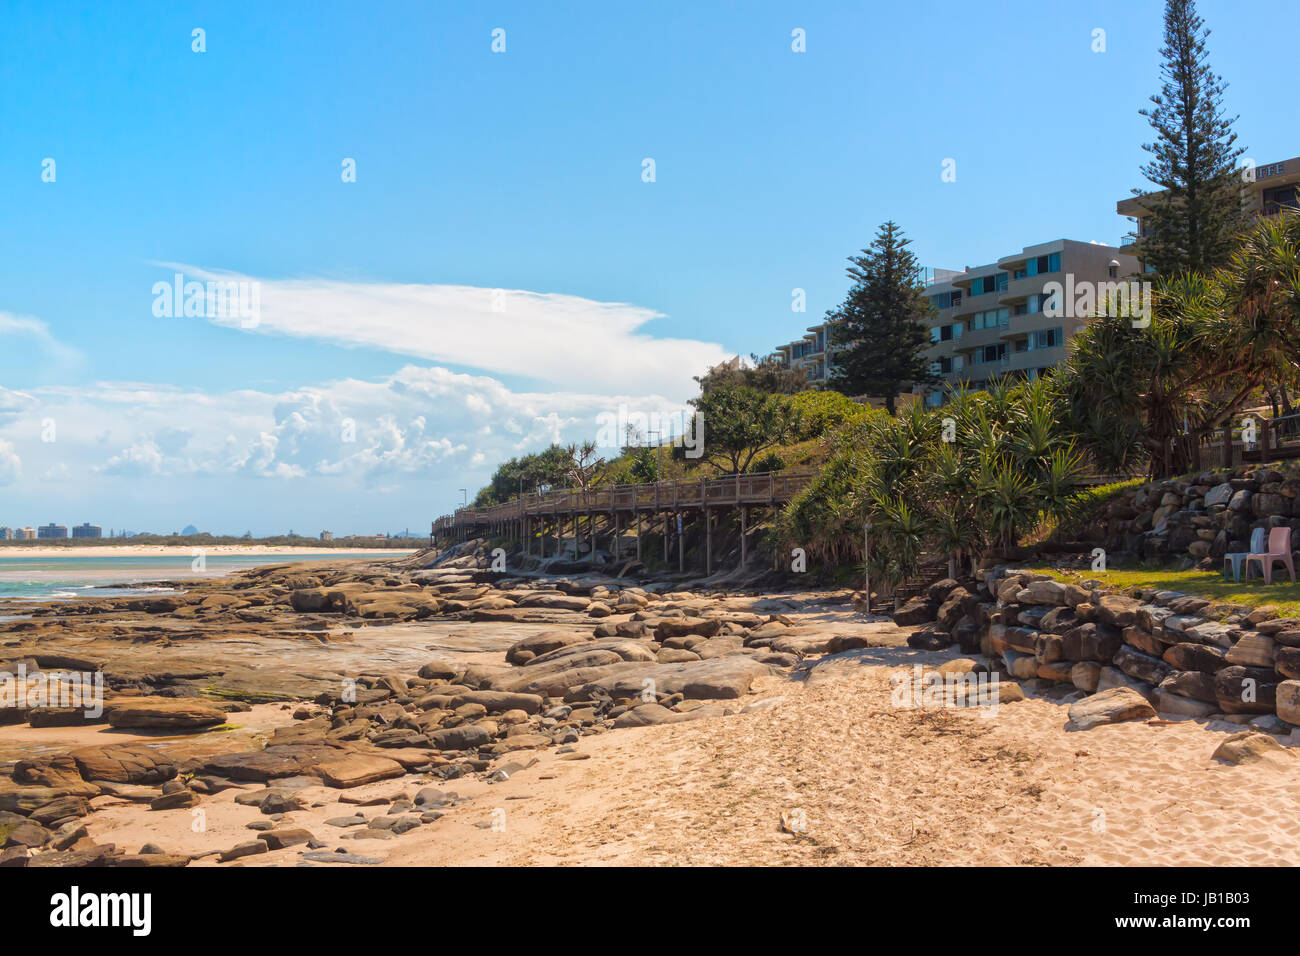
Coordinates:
(417, 424)
(140, 458)
(22, 326)
(11, 466)
(562, 340)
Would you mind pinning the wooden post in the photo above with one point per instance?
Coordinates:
(614, 546)
(1227, 446)
(866, 561)
(708, 542)
(681, 547)
(743, 509)
(638, 536)
(665, 537)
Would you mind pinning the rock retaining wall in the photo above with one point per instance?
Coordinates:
(1199, 519)
(1187, 656)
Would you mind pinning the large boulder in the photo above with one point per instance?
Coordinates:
(393, 605)
(462, 737)
(1196, 685)
(1091, 642)
(916, 611)
(124, 763)
(277, 760)
(1085, 675)
(1246, 690)
(1288, 701)
(1251, 747)
(1286, 661)
(1143, 667)
(498, 702)
(680, 627)
(1109, 707)
(521, 652)
(1117, 610)
(357, 769)
(1195, 657)
(952, 610)
(1252, 650)
(1042, 592)
(317, 600)
(1175, 705)
(162, 713)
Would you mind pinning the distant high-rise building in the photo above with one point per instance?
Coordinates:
(327, 535)
(6, 534)
(24, 534)
(87, 530)
(52, 531)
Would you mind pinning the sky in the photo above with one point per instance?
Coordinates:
(466, 230)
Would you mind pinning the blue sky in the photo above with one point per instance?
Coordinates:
(519, 171)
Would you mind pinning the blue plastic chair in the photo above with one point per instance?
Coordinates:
(1237, 558)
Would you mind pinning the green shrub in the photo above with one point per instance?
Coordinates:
(821, 412)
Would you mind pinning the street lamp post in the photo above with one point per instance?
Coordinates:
(866, 560)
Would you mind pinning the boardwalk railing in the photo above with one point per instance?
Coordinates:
(767, 488)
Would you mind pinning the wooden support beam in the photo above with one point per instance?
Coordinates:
(743, 509)
(708, 541)
(638, 536)
(681, 546)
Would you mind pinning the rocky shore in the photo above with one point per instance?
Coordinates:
(416, 710)
(282, 680)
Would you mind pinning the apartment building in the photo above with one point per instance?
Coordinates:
(989, 320)
(1006, 318)
(1266, 190)
(52, 531)
(815, 352)
(87, 530)
(24, 534)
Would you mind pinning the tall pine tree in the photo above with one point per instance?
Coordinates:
(878, 326)
(1193, 222)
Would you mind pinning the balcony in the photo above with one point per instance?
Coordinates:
(980, 337)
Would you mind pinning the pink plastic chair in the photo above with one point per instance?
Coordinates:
(1279, 549)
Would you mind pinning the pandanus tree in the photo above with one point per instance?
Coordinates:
(978, 473)
(1133, 395)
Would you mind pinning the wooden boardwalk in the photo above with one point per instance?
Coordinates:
(532, 518)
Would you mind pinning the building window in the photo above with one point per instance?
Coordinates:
(1280, 198)
(1045, 339)
(990, 319)
(1040, 265)
(985, 284)
(988, 354)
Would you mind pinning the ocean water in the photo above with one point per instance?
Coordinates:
(69, 577)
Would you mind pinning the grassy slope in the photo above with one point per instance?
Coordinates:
(1215, 587)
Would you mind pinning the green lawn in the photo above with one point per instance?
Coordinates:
(1214, 587)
